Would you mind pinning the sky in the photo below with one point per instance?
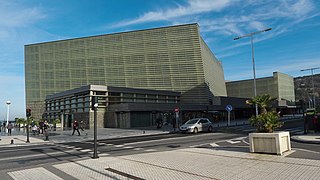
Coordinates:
(293, 43)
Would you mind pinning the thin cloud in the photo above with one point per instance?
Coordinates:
(193, 7)
(13, 15)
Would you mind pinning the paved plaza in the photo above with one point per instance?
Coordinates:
(188, 163)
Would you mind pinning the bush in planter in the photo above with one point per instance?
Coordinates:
(265, 121)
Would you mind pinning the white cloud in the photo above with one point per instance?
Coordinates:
(193, 7)
(13, 15)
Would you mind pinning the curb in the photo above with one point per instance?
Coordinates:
(297, 139)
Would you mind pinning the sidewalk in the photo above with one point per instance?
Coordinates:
(189, 163)
(311, 138)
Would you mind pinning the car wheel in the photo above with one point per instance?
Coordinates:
(210, 129)
(195, 130)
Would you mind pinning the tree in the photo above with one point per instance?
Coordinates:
(262, 101)
(21, 121)
(265, 121)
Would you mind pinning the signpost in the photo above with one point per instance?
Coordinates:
(229, 109)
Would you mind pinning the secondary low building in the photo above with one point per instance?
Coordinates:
(140, 107)
(280, 86)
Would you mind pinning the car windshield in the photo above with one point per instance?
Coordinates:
(192, 121)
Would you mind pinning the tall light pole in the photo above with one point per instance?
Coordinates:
(313, 93)
(253, 64)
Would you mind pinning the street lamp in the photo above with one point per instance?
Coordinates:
(8, 104)
(313, 93)
(253, 64)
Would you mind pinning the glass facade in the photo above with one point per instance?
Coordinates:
(77, 101)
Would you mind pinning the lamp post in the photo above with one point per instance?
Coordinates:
(253, 64)
(8, 104)
(313, 93)
(94, 107)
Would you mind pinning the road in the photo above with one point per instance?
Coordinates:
(17, 158)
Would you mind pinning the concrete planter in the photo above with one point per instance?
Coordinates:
(272, 143)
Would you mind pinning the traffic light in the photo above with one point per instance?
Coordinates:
(94, 102)
(28, 112)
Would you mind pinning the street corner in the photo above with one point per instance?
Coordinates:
(307, 138)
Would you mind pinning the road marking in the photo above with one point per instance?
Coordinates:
(150, 150)
(85, 150)
(214, 145)
(128, 147)
(36, 155)
(166, 139)
(119, 145)
(137, 149)
(233, 142)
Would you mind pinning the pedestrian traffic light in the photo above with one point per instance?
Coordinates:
(94, 102)
(28, 112)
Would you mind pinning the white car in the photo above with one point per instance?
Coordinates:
(197, 125)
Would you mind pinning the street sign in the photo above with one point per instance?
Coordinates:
(229, 108)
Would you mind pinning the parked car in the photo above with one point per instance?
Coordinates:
(197, 125)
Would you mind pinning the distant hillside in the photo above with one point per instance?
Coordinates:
(303, 88)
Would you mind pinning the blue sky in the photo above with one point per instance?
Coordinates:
(292, 44)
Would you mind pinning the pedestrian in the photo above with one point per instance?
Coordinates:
(316, 123)
(174, 124)
(4, 126)
(76, 127)
(82, 125)
(9, 127)
(41, 124)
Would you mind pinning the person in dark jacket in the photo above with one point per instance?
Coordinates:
(76, 127)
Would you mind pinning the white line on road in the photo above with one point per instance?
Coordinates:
(36, 155)
(214, 145)
(233, 142)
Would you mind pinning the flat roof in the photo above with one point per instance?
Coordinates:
(86, 89)
(163, 27)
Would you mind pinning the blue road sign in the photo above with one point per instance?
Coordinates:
(228, 108)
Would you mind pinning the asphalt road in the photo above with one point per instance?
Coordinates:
(16, 158)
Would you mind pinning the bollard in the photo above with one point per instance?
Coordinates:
(11, 141)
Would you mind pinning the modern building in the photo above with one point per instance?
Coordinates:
(279, 85)
(173, 58)
(117, 107)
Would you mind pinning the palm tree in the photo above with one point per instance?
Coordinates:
(262, 101)
(265, 121)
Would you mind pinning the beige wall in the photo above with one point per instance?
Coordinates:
(170, 58)
(279, 86)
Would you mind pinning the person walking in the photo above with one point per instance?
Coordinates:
(9, 127)
(75, 127)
